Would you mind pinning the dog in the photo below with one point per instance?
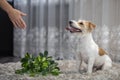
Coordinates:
(92, 56)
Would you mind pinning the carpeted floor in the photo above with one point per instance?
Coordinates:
(69, 72)
(9, 59)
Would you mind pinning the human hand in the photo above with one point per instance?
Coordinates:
(16, 18)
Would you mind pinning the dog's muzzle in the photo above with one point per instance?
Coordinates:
(73, 29)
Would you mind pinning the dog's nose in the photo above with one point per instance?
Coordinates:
(70, 22)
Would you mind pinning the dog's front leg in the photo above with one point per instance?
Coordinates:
(90, 65)
(82, 67)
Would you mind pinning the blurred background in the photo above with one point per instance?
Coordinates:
(46, 21)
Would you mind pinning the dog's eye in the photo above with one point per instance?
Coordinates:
(81, 23)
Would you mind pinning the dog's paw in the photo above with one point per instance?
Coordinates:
(82, 70)
(89, 72)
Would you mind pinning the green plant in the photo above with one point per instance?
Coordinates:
(42, 64)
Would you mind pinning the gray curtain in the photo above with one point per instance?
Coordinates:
(46, 21)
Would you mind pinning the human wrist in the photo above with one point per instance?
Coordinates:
(9, 10)
(6, 6)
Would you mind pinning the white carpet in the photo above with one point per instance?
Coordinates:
(68, 68)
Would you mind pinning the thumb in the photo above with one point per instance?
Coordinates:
(23, 14)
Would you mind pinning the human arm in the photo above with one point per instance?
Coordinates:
(14, 14)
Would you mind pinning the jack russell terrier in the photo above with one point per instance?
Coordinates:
(92, 56)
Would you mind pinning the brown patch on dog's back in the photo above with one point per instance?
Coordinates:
(102, 52)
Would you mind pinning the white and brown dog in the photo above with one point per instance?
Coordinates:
(90, 53)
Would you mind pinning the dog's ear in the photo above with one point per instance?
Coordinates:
(91, 26)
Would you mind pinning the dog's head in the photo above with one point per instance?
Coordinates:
(80, 26)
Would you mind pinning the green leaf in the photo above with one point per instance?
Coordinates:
(38, 59)
(49, 58)
(41, 54)
(43, 59)
(24, 64)
(52, 62)
(27, 55)
(45, 65)
(18, 71)
(45, 53)
(24, 60)
(55, 63)
(57, 68)
(55, 72)
(44, 72)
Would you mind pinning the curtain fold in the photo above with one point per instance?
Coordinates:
(46, 21)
